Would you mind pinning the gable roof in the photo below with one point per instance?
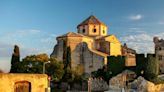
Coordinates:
(109, 38)
(91, 20)
(71, 34)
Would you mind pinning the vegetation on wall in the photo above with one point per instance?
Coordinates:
(151, 67)
(114, 66)
(148, 67)
(140, 64)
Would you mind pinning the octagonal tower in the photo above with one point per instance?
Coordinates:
(92, 27)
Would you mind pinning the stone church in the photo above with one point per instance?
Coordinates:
(90, 46)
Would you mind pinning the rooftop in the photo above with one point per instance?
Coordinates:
(91, 20)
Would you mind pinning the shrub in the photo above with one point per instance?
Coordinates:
(116, 65)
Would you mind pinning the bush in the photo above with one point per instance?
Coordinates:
(140, 64)
(151, 67)
(116, 65)
(157, 80)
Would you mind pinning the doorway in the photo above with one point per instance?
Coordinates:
(22, 86)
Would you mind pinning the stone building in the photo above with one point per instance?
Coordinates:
(130, 55)
(23, 82)
(159, 51)
(90, 46)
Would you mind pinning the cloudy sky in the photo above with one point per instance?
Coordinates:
(34, 24)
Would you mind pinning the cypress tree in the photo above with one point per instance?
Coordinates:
(67, 77)
(65, 54)
(15, 59)
(68, 57)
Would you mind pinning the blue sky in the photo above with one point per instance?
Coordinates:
(34, 24)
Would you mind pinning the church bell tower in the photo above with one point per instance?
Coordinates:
(92, 27)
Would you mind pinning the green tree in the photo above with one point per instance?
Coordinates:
(34, 64)
(140, 64)
(68, 73)
(15, 60)
(39, 58)
(66, 55)
(116, 64)
(151, 68)
(55, 69)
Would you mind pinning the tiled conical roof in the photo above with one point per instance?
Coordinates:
(91, 20)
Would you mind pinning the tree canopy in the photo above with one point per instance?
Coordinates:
(34, 64)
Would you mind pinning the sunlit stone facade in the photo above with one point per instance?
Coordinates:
(18, 82)
(90, 46)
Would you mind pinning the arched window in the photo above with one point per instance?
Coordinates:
(83, 30)
(94, 30)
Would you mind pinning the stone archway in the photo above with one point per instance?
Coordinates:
(22, 86)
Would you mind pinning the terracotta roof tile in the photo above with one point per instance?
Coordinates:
(91, 20)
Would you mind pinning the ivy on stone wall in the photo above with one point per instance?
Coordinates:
(151, 67)
(116, 65)
(140, 64)
(148, 67)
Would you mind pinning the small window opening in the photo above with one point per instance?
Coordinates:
(103, 31)
(83, 30)
(94, 30)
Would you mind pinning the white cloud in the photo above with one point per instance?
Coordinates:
(22, 33)
(36, 40)
(29, 41)
(49, 39)
(142, 43)
(136, 17)
(136, 30)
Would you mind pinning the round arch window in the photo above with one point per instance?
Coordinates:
(94, 30)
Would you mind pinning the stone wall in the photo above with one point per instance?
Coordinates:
(159, 51)
(115, 45)
(130, 60)
(101, 30)
(81, 53)
(97, 85)
(142, 85)
(90, 61)
(38, 82)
